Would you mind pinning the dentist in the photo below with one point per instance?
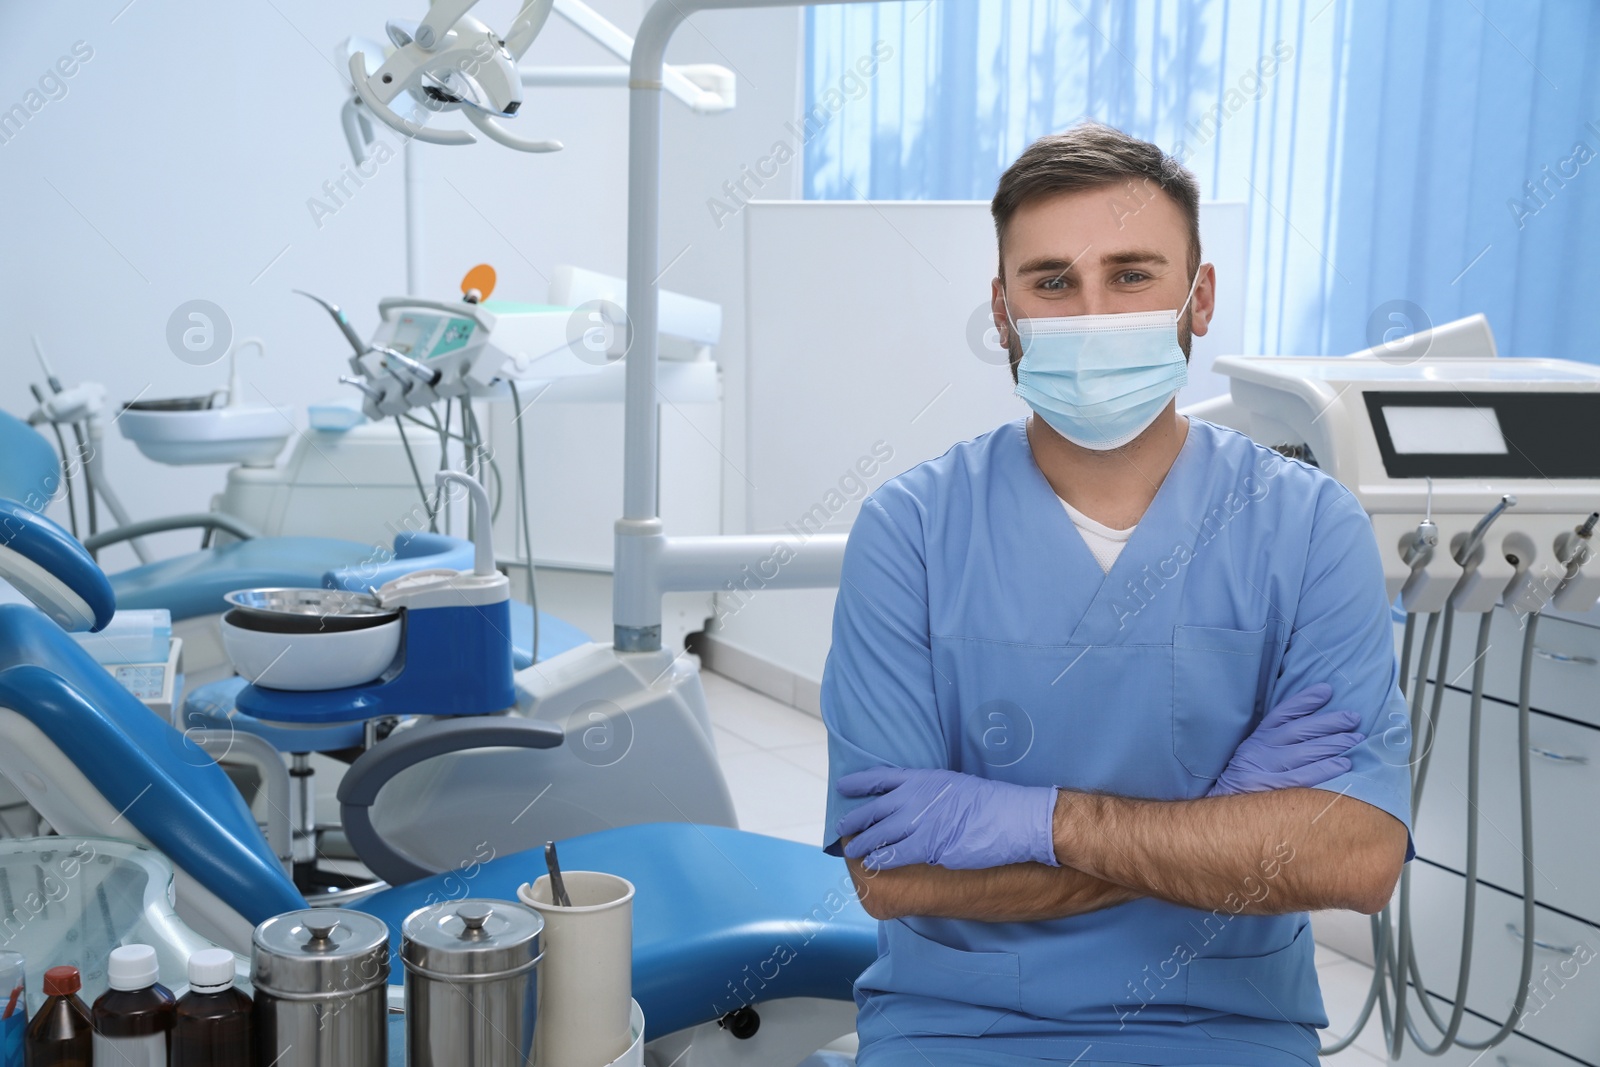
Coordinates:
(1112, 698)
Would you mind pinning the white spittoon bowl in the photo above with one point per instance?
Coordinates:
(252, 436)
(306, 662)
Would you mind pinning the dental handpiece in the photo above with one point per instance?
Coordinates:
(1475, 539)
(425, 374)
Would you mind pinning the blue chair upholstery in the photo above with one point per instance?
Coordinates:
(31, 472)
(721, 917)
(412, 552)
(42, 543)
(194, 584)
(165, 785)
(555, 636)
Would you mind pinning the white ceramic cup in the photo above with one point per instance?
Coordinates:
(586, 979)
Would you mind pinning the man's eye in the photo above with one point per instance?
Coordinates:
(1133, 277)
(1053, 283)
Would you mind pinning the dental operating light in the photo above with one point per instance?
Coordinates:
(451, 61)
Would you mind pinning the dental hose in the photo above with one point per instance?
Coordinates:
(66, 465)
(1405, 649)
(85, 450)
(1528, 908)
(522, 514)
(1381, 954)
(1395, 959)
(1407, 962)
(433, 523)
(1396, 1034)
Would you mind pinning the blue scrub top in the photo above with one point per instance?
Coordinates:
(975, 631)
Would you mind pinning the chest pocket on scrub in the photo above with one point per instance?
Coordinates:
(1216, 676)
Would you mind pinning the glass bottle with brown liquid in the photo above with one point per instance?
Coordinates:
(61, 1034)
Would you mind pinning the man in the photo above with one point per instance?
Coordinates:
(1081, 767)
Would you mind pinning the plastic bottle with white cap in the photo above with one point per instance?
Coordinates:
(213, 1025)
(133, 1019)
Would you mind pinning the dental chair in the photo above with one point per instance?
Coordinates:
(191, 586)
(745, 947)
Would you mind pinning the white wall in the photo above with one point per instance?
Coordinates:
(180, 161)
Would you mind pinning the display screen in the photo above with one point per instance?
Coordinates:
(1463, 433)
(413, 331)
(1448, 431)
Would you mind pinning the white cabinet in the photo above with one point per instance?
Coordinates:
(1561, 1025)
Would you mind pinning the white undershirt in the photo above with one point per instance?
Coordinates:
(1105, 543)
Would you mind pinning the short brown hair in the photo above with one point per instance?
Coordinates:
(1090, 155)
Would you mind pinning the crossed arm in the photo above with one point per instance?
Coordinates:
(1257, 853)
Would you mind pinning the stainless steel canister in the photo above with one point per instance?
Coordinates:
(321, 980)
(471, 991)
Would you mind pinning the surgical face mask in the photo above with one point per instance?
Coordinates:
(1101, 380)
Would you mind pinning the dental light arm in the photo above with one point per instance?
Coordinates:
(705, 88)
(441, 17)
(526, 26)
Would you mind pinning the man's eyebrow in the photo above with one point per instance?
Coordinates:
(1046, 265)
(1059, 265)
(1133, 255)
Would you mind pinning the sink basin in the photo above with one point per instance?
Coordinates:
(249, 435)
(299, 662)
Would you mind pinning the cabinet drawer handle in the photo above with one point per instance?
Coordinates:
(1547, 946)
(1564, 657)
(1557, 757)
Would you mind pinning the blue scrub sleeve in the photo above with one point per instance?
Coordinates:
(1343, 634)
(878, 685)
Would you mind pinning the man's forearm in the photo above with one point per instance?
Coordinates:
(1020, 892)
(1273, 852)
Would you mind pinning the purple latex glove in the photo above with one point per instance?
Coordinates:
(1296, 745)
(959, 821)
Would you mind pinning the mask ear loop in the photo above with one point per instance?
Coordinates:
(1194, 285)
(1011, 322)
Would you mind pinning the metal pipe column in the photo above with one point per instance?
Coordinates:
(644, 557)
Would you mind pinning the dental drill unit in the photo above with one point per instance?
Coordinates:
(1482, 481)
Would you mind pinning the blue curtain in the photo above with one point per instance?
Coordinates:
(1404, 163)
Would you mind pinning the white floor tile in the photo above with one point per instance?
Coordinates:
(1328, 957)
(812, 757)
(730, 744)
(1354, 1056)
(769, 792)
(758, 718)
(1344, 989)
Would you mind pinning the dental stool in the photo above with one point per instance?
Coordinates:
(742, 943)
